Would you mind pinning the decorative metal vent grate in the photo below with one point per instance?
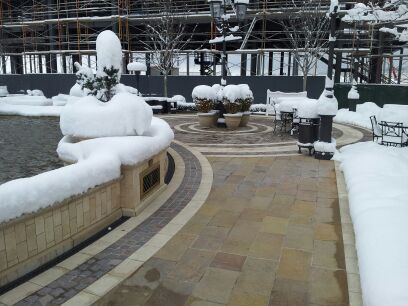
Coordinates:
(150, 179)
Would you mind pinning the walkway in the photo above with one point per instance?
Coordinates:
(269, 234)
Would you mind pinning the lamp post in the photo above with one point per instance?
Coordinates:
(327, 104)
(136, 68)
(218, 10)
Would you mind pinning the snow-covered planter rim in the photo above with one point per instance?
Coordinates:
(233, 115)
(94, 162)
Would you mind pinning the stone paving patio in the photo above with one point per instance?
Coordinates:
(269, 234)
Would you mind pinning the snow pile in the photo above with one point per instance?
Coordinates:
(204, 92)
(60, 100)
(179, 99)
(258, 108)
(221, 39)
(136, 66)
(3, 91)
(31, 111)
(35, 92)
(361, 117)
(109, 52)
(26, 100)
(325, 147)
(98, 162)
(246, 92)
(76, 91)
(308, 109)
(219, 91)
(124, 115)
(122, 88)
(394, 113)
(232, 93)
(353, 93)
(327, 106)
(377, 183)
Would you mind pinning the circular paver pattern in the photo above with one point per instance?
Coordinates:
(257, 139)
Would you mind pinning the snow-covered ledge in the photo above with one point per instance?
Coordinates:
(46, 215)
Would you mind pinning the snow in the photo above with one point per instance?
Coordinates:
(124, 115)
(136, 66)
(218, 89)
(227, 38)
(60, 100)
(35, 92)
(246, 92)
(26, 100)
(353, 93)
(258, 108)
(76, 91)
(308, 109)
(109, 51)
(326, 147)
(98, 162)
(390, 112)
(179, 99)
(327, 106)
(204, 92)
(31, 111)
(3, 91)
(122, 88)
(377, 183)
(232, 93)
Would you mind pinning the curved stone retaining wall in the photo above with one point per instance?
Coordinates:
(32, 240)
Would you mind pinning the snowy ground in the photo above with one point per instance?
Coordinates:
(377, 183)
(361, 118)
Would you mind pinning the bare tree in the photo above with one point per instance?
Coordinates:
(167, 37)
(306, 28)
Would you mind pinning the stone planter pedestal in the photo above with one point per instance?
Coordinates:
(245, 119)
(207, 120)
(233, 120)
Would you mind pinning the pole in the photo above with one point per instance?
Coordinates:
(224, 47)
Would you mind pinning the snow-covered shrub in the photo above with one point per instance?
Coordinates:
(219, 91)
(204, 97)
(231, 99)
(257, 108)
(85, 79)
(105, 83)
(247, 97)
(125, 115)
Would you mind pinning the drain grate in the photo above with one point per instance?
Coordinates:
(150, 179)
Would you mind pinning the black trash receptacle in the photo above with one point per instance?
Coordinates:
(308, 134)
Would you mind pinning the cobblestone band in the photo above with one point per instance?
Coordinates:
(71, 283)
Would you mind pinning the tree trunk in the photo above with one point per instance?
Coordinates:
(165, 84)
(304, 81)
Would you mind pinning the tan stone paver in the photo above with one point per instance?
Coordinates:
(269, 234)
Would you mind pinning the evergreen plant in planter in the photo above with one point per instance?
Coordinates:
(246, 100)
(204, 97)
(233, 115)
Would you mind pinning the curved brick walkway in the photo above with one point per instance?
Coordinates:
(269, 234)
(71, 283)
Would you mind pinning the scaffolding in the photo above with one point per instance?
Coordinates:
(48, 36)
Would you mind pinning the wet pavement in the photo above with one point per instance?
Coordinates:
(28, 146)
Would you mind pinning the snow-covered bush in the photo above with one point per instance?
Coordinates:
(258, 108)
(247, 97)
(124, 115)
(232, 96)
(204, 97)
(103, 85)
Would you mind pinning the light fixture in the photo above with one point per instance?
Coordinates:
(215, 8)
(241, 9)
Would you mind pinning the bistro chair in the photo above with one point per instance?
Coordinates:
(393, 134)
(375, 129)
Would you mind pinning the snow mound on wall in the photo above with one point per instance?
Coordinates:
(26, 100)
(35, 92)
(125, 115)
(31, 111)
(377, 183)
(120, 88)
(109, 51)
(136, 66)
(361, 117)
(60, 100)
(98, 162)
(76, 91)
